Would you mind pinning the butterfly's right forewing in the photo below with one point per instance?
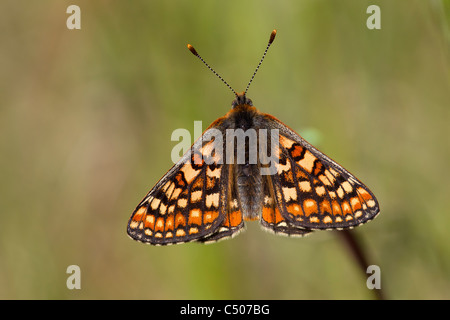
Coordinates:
(189, 202)
(314, 192)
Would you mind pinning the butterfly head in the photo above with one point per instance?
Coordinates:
(241, 99)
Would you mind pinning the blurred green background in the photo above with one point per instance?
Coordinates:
(86, 118)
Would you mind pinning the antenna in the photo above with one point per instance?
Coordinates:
(272, 37)
(194, 52)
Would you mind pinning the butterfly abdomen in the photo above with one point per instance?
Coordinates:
(248, 182)
(249, 187)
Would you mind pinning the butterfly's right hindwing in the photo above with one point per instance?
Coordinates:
(234, 221)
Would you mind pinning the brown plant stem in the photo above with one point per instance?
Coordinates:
(355, 246)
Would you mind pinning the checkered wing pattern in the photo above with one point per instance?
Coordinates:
(311, 191)
(193, 201)
(271, 217)
(233, 221)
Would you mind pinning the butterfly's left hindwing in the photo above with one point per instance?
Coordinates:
(189, 203)
(314, 192)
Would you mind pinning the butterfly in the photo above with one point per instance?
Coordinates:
(209, 194)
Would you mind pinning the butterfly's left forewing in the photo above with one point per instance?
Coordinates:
(190, 202)
(314, 192)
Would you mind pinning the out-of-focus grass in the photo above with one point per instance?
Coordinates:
(86, 118)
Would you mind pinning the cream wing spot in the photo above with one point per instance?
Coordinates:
(180, 233)
(289, 193)
(340, 192)
(176, 193)
(285, 142)
(212, 200)
(347, 186)
(333, 172)
(134, 224)
(196, 196)
(162, 209)
(189, 172)
(193, 230)
(324, 180)
(308, 161)
(170, 189)
(330, 176)
(155, 203)
(213, 173)
(281, 168)
(305, 186)
(320, 191)
(182, 203)
(371, 203)
(327, 219)
(314, 219)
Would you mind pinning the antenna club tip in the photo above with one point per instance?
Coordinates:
(191, 49)
(272, 35)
